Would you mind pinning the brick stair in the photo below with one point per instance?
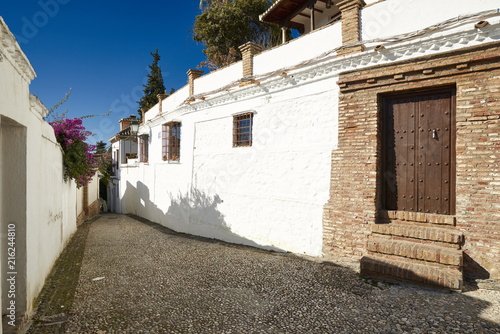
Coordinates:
(410, 270)
(420, 252)
(446, 236)
(416, 251)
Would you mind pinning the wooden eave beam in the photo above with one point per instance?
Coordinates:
(298, 10)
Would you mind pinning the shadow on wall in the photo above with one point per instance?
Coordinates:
(194, 213)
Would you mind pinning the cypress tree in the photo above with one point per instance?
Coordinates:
(154, 86)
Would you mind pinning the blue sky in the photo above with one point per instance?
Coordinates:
(101, 50)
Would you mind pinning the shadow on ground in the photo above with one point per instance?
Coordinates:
(161, 281)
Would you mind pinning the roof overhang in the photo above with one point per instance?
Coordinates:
(293, 13)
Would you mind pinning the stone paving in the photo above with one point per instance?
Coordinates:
(128, 275)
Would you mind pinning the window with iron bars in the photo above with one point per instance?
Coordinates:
(171, 141)
(242, 130)
(144, 148)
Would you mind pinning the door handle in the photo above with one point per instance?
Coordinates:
(434, 134)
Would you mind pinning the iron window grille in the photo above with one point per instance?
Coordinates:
(171, 141)
(242, 130)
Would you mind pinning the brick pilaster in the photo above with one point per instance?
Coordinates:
(162, 96)
(248, 51)
(351, 28)
(192, 75)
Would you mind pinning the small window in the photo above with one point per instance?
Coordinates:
(144, 148)
(242, 130)
(171, 141)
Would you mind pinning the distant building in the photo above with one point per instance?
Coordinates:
(123, 152)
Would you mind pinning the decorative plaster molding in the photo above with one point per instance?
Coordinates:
(37, 106)
(331, 66)
(11, 50)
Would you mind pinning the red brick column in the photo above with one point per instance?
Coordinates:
(192, 75)
(163, 96)
(248, 51)
(351, 28)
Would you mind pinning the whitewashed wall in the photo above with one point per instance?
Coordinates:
(303, 48)
(222, 77)
(93, 189)
(51, 218)
(392, 17)
(45, 215)
(269, 195)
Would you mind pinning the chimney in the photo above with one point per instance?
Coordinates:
(248, 50)
(192, 75)
(125, 122)
(160, 99)
(351, 29)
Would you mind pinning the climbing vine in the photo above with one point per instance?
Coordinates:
(79, 162)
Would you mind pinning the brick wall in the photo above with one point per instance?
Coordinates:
(354, 195)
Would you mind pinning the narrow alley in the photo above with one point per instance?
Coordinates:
(124, 274)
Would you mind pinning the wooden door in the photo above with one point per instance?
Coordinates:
(418, 152)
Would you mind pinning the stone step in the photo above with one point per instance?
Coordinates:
(421, 217)
(378, 266)
(436, 234)
(416, 251)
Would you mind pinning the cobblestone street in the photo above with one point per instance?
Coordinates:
(123, 274)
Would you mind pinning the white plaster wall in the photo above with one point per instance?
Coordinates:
(300, 49)
(271, 194)
(268, 195)
(221, 77)
(79, 201)
(393, 17)
(50, 202)
(51, 216)
(13, 92)
(169, 104)
(152, 113)
(93, 189)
